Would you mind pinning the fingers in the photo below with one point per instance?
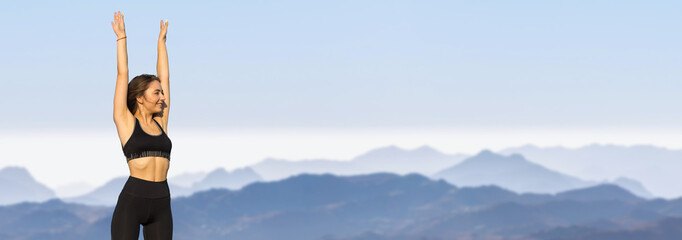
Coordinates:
(118, 16)
(117, 24)
(164, 26)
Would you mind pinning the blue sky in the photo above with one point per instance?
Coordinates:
(355, 64)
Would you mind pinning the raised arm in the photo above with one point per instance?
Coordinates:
(121, 111)
(162, 72)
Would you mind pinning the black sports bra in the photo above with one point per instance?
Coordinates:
(141, 144)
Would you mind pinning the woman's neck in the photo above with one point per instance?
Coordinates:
(145, 117)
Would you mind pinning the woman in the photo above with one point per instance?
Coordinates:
(141, 117)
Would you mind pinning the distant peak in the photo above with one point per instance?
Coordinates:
(485, 152)
(13, 168)
(218, 170)
(389, 147)
(15, 171)
(426, 148)
(490, 157)
(604, 188)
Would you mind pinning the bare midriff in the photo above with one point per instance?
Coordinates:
(153, 169)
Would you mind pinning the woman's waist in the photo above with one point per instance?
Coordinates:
(147, 189)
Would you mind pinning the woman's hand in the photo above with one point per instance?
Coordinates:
(117, 24)
(164, 28)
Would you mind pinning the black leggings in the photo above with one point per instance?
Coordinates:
(143, 202)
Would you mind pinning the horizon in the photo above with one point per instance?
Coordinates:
(251, 147)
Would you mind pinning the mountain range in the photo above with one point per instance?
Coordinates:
(513, 172)
(654, 167)
(371, 206)
(517, 174)
(424, 160)
(17, 184)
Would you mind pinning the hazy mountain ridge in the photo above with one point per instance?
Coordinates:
(17, 184)
(512, 172)
(654, 167)
(519, 175)
(424, 160)
(345, 207)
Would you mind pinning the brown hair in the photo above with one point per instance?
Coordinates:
(136, 88)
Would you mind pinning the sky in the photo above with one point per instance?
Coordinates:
(342, 77)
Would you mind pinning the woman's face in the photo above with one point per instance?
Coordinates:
(154, 99)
